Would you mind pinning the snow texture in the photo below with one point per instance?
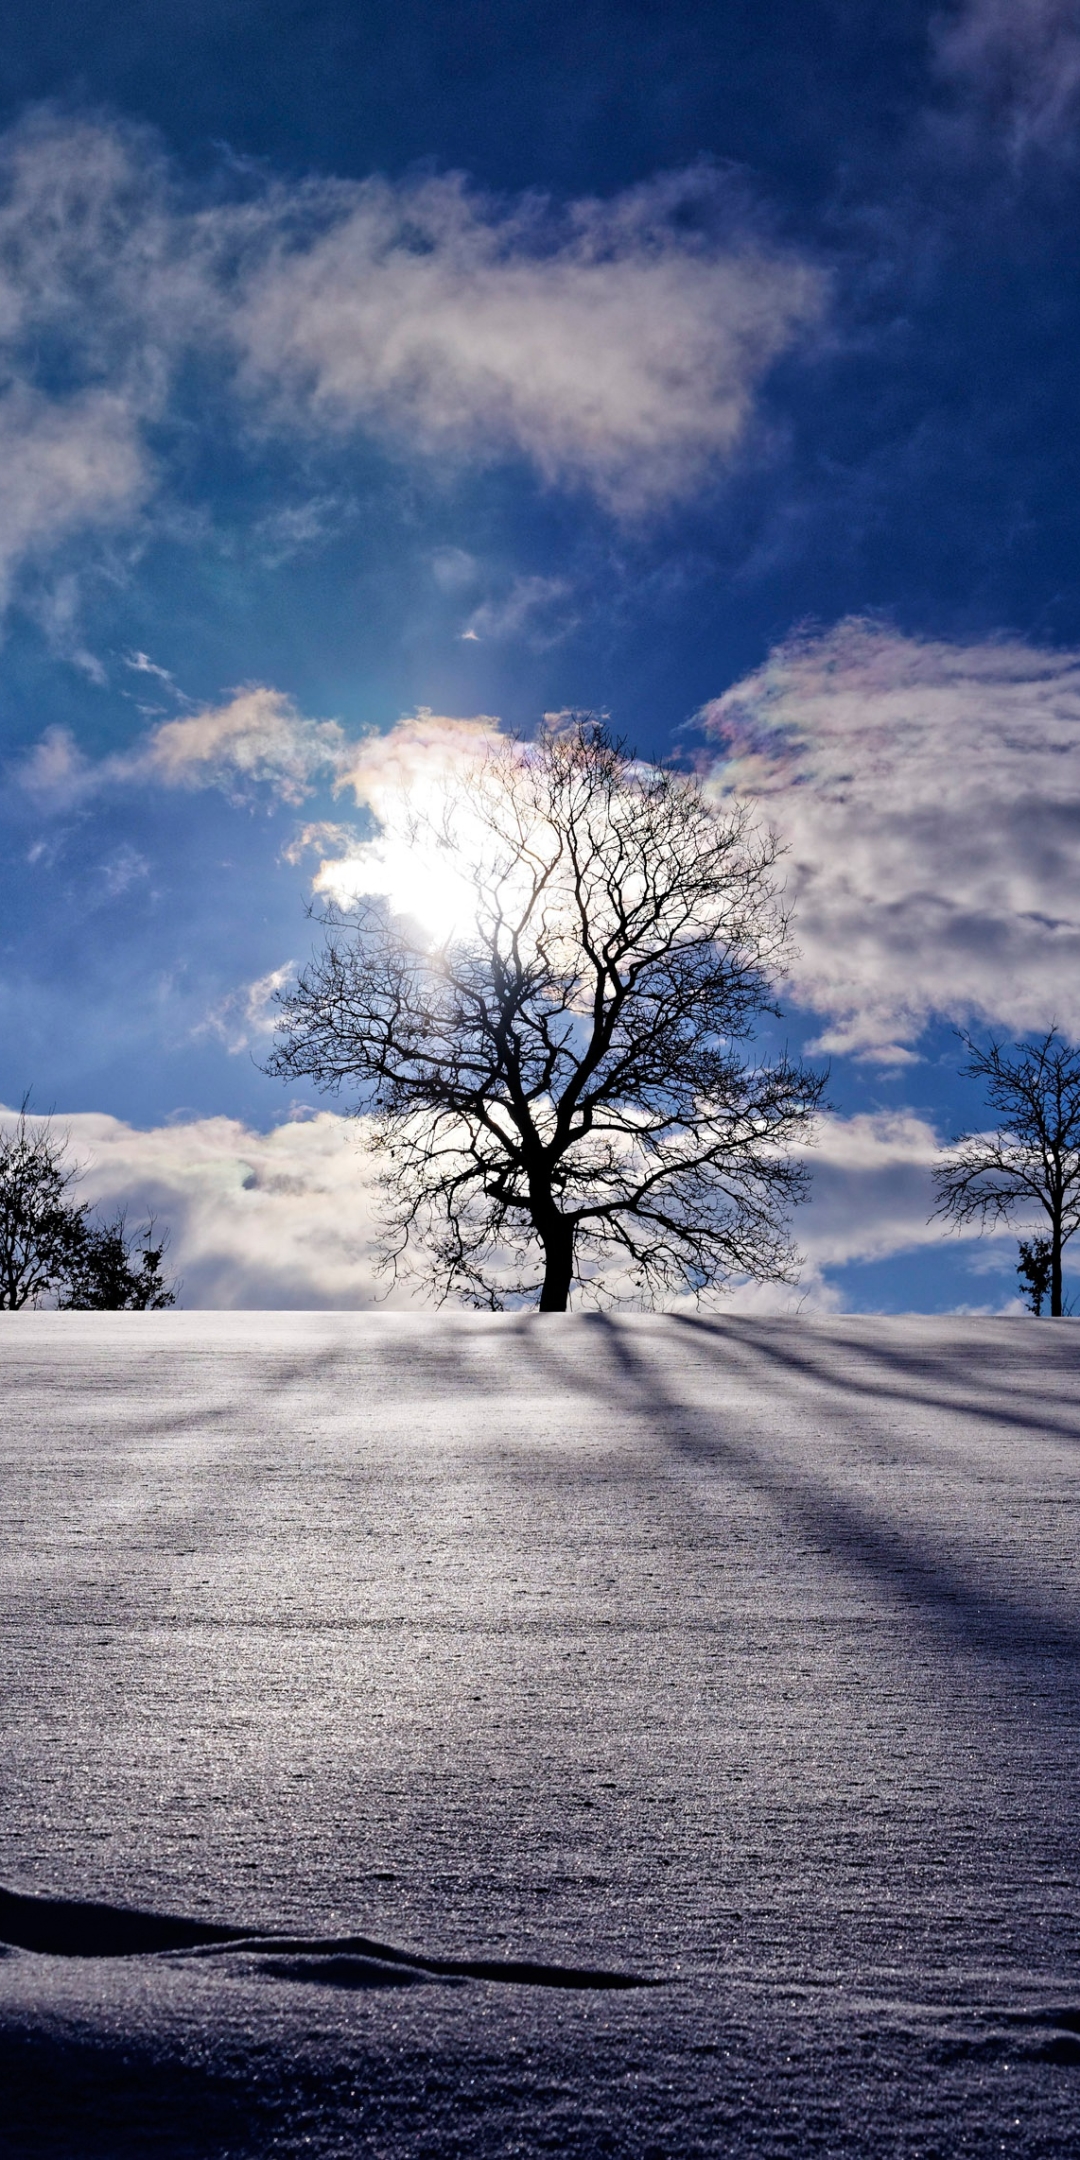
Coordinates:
(420, 1678)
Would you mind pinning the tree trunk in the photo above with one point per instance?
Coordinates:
(1055, 1271)
(558, 1241)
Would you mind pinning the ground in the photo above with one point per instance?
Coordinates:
(737, 1656)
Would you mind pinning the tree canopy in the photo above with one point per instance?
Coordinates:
(557, 1082)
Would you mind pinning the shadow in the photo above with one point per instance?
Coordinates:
(981, 1618)
(65, 1927)
(897, 1374)
(66, 2097)
(70, 1927)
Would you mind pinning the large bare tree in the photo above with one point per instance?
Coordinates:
(1032, 1160)
(559, 1085)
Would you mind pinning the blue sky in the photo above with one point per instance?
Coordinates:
(710, 365)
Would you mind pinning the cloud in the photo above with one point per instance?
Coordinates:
(140, 663)
(872, 1193)
(248, 1014)
(320, 838)
(257, 740)
(256, 1220)
(615, 346)
(67, 464)
(122, 869)
(1015, 65)
(618, 346)
(402, 777)
(56, 774)
(454, 569)
(929, 795)
(84, 274)
(534, 608)
(422, 751)
(286, 1219)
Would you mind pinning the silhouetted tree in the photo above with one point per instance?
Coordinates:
(561, 1086)
(39, 1221)
(1034, 1269)
(1033, 1159)
(51, 1249)
(111, 1272)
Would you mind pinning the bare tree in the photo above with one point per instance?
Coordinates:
(51, 1249)
(560, 1089)
(1033, 1159)
(39, 1220)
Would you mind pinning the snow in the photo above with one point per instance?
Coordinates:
(736, 1654)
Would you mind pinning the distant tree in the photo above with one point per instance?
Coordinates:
(1033, 1159)
(560, 1087)
(40, 1223)
(108, 1271)
(1034, 1269)
(51, 1249)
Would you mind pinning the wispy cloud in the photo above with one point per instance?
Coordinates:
(537, 609)
(256, 741)
(616, 346)
(929, 795)
(282, 1219)
(249, 1014)
(67, 464)
(1014, 69)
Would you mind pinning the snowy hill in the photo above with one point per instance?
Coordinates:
(739, 1655)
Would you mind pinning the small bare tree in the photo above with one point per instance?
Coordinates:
(39, 1221)
(560, 1089)
(1033, 1159)
(51, 1249)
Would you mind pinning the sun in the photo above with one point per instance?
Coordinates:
(425, 880)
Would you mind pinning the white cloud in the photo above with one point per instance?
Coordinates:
(321, 838)
(929, 795)
(278, 1219)
(257, 739)
(454, 569)
(422, 751)
(287, 1218)
(140, 663)
(402, 777)
(248, 1014)
(56, 774)
(91, 298)
(67, 464)
(617, 346)
(122, 869)
(872, 1193)
(1016, 67)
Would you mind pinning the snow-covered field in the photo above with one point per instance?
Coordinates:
(738, 1655)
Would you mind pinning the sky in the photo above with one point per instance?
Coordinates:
(708, 366)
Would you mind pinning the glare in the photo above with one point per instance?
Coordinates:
(422, 877)
(413, 779)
